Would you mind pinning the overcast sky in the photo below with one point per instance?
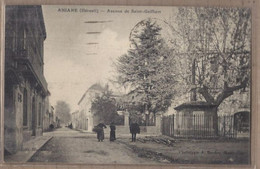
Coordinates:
(71, 64)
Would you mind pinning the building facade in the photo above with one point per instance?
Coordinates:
(49, 118)
(75, 120)
(25, 85)
(84, 118)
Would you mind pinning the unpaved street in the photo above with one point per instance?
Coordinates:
(72, 146)
(76, 147)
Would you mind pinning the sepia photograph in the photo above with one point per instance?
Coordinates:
(153, 85)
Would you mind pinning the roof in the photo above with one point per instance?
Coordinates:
(75, 112)
(42, 24)
(48, 92)
(95, 87)
(195, 104)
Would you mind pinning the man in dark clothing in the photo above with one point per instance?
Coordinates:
(134, 128)
(112, 132)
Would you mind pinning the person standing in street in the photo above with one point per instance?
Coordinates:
(112, 132)
(100, 132)
(134, 129)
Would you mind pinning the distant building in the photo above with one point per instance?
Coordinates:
(85, 117)
(75, 120)
(25, 84)
(45, 113)
(49, 118)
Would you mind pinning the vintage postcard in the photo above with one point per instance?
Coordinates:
(127, 85)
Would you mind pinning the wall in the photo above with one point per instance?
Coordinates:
(125, 130)
(25, 33)
(12, 127)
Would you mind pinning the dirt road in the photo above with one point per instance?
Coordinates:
(72, 146)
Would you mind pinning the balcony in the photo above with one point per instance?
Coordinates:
(31, 59)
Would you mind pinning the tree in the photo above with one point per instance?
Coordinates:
(218, 42)
(104, 106)
(63, 111)
(148, 68)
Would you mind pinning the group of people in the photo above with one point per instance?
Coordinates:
(99, 129)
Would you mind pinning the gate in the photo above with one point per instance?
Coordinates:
(168, 125)
(198, 126)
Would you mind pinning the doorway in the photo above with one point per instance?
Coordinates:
(34, 119)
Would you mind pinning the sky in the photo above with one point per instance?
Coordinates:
(75, 58)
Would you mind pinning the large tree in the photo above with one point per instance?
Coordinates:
(62, 111)
(217, 42)
(148, 68)
(105, 108)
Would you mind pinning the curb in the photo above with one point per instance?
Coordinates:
(25, 156)
(34, 152)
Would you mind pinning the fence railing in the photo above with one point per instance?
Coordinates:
(226, 126)
(168, 125)
(198, 126)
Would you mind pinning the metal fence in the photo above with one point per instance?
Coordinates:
(168, 126)
(226, 126)
(198, 126)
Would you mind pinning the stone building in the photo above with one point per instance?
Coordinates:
(49, 118)
(75, 120)
(25, 84)
(85, 117)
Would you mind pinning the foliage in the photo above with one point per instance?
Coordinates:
(136, 116)
(148, 68)
(219, 40)
(62, 111)
(104, 106)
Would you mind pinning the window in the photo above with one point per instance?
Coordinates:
(10, 35)
(25, 112)
(40, 114)
(10, 41)
(24, 38)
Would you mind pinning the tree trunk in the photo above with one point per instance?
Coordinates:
(227, 91)
(154, 118)
(147, 113)
(147, 119)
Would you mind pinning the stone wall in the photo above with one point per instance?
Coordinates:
(144, 130)
(13, 123)
(24, 79)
